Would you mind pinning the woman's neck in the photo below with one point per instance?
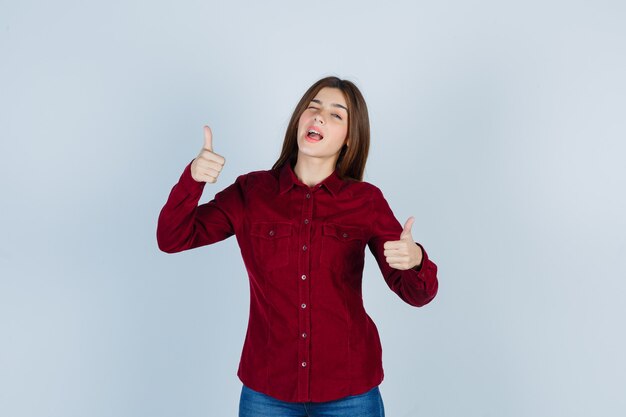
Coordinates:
(312, 171)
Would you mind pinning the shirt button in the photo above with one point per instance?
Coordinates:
(345, 235)
(306, 221)
(271, 233)
(303, 364)
(303, 305)
(303, 277)
(308, 195)
(303, 334)
(304, 247)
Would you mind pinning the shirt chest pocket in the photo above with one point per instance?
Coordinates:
(270, 244)
(342, 246)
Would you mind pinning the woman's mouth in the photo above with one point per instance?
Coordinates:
(313, 135)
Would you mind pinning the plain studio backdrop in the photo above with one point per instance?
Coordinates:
(500, 125)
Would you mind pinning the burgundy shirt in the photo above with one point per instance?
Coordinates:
(309, 337)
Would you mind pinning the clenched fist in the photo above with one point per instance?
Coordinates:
(207, 165)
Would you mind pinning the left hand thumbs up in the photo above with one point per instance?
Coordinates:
(404, 253)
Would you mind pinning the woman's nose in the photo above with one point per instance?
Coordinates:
(318, 118)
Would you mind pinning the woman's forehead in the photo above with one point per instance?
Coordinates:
(330, 95)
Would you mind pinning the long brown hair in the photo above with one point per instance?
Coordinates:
(351, 161)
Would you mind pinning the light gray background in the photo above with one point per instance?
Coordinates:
(500, 125)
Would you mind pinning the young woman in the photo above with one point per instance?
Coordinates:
(310, 348)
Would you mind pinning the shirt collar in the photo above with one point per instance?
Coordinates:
(288, 179)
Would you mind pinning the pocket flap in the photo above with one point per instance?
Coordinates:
(342, 232)
(271, 230)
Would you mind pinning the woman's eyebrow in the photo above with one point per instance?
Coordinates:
(333, 104)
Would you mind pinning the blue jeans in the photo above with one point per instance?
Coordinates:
(256, 404)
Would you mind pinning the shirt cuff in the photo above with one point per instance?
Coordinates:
(424, 259)
(191, 186)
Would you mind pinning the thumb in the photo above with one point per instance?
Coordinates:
(208, 138)
(406, 231)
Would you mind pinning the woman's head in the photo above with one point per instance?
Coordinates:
(336, 109)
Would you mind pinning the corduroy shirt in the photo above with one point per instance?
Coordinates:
(309, 337)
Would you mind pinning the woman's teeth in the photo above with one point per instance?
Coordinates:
(315, 135)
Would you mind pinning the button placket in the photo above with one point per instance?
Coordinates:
(304, 241)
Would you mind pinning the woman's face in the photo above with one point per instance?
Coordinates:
(323, 126)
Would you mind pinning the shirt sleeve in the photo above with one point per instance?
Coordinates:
(183, 224)
(416, 286)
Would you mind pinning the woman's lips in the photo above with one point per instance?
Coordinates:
(315, 137)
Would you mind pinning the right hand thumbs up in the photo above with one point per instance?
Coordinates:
(207, 165)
